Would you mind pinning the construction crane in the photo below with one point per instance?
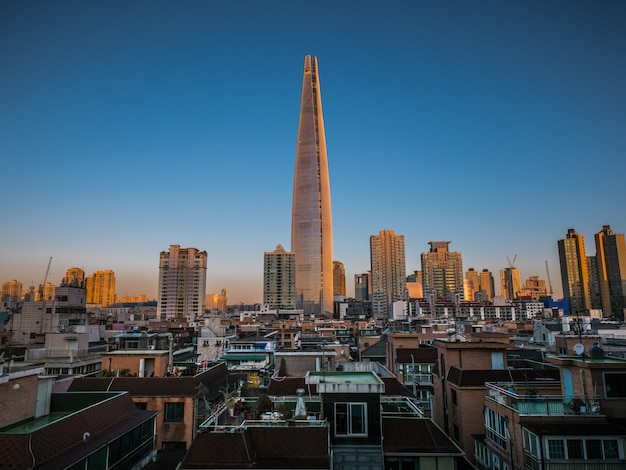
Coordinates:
(511, 263)
(45, 278)
(549, 281)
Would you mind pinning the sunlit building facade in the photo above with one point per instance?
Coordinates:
(279, 279)
(611, 264)
(11, 291)
(339, 279)
(510, 283)
(388, 274)
(311, 224)
(100, 287)
(487, 285)
(182, 284)
(574, 273)
(74, 277)
(442, 272)
(217, 302)
(471, 284)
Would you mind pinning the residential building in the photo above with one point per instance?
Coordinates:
(339, 279)
(363, 287)
(510, 283)
(182, 284)
(11, 292)
(471, 285)
(388, 271)
(533, 288)
(182, 403)
(611, 260)
(75, 276)
(487, 286)
(279, 279)
(217, 303)
(414, 285)
(574, 273)
(76, 430)
(442, 272)
(101, 288)
(311, 224)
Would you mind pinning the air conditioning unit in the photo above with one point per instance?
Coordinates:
(151, 346)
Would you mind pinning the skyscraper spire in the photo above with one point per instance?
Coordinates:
(311, 223)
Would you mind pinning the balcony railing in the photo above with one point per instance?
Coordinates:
(532, 464)
(529, 401)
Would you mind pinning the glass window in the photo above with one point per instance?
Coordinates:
(594, 448)
(611, 450)
(350, 419)
(615, 385)
(174, 412)
(574, 449)
(556, 449)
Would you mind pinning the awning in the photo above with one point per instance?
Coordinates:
(243, 357)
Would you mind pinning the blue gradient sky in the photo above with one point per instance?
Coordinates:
(127, 126)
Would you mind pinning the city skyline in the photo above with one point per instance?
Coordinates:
(127, 129)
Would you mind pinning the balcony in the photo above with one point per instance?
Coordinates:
(540, 399)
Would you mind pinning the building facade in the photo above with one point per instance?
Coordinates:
(74, 277)
(388, 274)
(574, 274)
(363, 287)
(611, 259)
(311, 224)
(339, 279)
(510, 283)
(279, 279)
(442, 272)
(11, 291)
(182, 283)
(101, 288)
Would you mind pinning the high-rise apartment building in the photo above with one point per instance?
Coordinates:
(487, 285)
(471, 284)
(11, 291)
(339, 279)
(74, 277)
(363, 287)
(279, 279)
(182, 284)
(574, 273)
(594, 283)
(442, 272)
(311, 223)
(217, 302)
(100, 288)
(510, 283)
(414, 285)
(388, 274)
(611, 260)
(533, 288)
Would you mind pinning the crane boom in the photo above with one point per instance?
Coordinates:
(549, 281)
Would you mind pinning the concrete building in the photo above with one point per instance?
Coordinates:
(279, 279)
(574, 274)
(442, 272)
(311, 223)
(510, 283)
(363, 287)
(11, 291)
(100, 288)
(75, 277)
(471, 285)
(217, 303)
(611, 259)
(487, 286)
(388, 271)
(182, 284)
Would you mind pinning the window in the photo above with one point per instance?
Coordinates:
(174, 412)
(615, 385)
(574, 449)
(495, 427)
(530, 442)
(141, 405)
(350, 419)
(556, 449)
(454, 398)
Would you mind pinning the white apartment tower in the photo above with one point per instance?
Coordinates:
(182, 284)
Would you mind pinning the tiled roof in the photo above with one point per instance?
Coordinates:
(152, 386)
(61, 443)
(477, 378)
(261, 447)
(415, 436)
(418, 355)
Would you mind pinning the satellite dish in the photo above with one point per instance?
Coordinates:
(579, 348)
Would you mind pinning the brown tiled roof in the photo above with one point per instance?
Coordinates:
(153, 386)
(419, 355)
(260, 447)
(393, 387)
(415, 436)
(60, 443)
(478, 377)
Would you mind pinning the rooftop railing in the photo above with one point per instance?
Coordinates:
(540, 399)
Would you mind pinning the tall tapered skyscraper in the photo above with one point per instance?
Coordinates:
(574, 273)
(311, 222)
